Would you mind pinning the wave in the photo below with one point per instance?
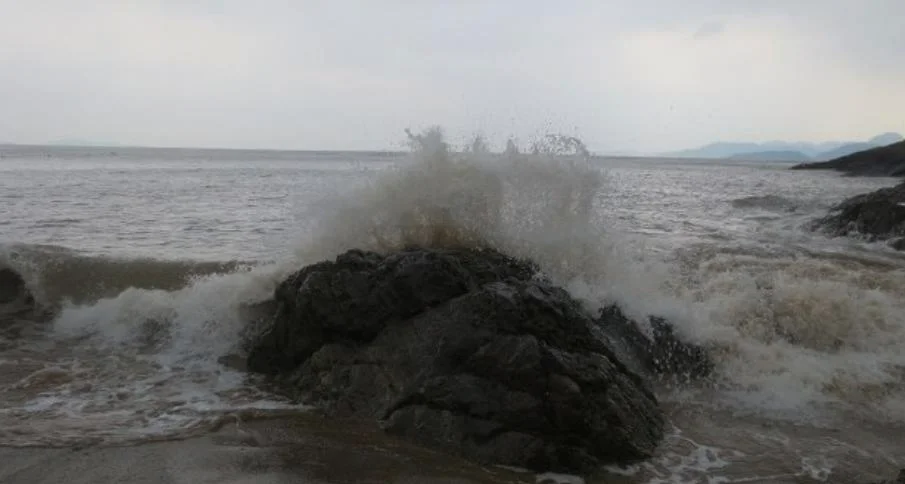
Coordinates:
(142, 363)
(773, 203)
(790, 331)
(55, 274)
(797, 334)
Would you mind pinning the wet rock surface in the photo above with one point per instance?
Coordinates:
(878, 215)
(471, 352)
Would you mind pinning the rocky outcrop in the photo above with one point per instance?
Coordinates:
(878, 215)
(468, 351)
(883, 161)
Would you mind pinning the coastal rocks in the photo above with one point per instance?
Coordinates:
(467, 351)
(883, 161)
(661, 352)
(878, 215)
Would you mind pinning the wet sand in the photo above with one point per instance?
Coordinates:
(310, 449)
(298, 449)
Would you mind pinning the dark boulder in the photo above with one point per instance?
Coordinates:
(878, 215)
(463, 350)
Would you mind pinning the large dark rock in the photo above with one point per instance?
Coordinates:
(883, 161)
(468, 351)
(878, 215)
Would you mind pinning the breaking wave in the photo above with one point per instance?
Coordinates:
(790, 332)
(768, 202)
(56, 274)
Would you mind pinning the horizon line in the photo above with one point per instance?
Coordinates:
(112, 147)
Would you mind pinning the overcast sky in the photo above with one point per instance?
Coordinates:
(645, 75)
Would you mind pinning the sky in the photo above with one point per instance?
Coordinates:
(637, 75)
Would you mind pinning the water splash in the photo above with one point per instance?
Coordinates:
(790, 330)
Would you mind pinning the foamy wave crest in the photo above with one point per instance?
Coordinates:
(543, 205)
(56, 274)
(795, 332)
(144, 363)
(204, 319)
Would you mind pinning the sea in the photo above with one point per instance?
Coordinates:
(149, 262)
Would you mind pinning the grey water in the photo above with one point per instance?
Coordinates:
(148, 257)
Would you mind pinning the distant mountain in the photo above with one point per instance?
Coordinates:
(886, 139)
(845, 150)
(815, 151)
(771, 156)
(882, 161)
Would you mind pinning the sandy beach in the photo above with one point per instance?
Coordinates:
(298, 449)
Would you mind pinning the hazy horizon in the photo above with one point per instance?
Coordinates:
(400, 148)
(634, 77)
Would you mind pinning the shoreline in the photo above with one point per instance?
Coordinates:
(303, 448)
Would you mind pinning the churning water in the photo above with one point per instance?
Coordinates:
(153, 261)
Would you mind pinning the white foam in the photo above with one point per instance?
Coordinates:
(544, 206)
(794, 332)
(817, 468)
(202, 320)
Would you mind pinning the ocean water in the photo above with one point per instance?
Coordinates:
(152, 261)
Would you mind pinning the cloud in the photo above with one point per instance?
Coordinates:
(709, 29)
(649, 75)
